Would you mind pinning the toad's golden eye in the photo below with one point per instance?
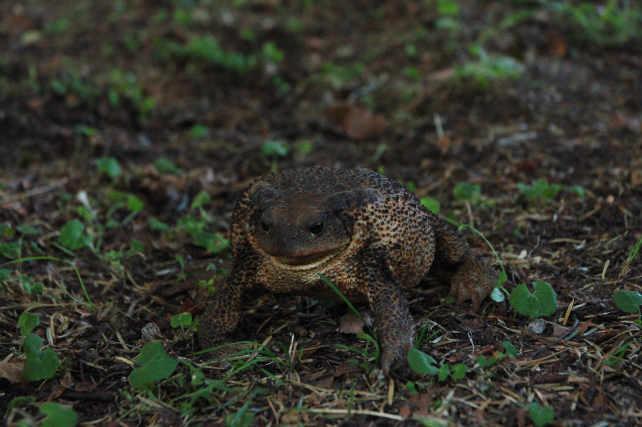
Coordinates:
(317, 228)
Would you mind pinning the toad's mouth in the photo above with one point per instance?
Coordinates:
(307, 261)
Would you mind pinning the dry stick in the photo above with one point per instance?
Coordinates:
(569, 332)
(35, 191)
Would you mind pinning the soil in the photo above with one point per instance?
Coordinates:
(361, 84)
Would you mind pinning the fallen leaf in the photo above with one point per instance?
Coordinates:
(352, 324)
(13, 371)
(355, 122)
(345, 368)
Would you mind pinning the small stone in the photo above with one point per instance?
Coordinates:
(537, 326)
(151, 331)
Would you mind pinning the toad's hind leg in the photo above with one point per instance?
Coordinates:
(469, 278)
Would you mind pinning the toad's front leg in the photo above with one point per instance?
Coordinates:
(222, 313)
(393, 324)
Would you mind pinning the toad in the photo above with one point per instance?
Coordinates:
(366, 233)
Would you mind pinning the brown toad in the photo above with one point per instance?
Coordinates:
(366, 233)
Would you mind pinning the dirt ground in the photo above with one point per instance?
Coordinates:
(201, 96)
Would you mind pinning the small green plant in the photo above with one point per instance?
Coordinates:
(242, 418)
(156, 365)
(488, 69)
(456, 372)
(467, 192)
(273, 150)
(337, 76)
(27, 323)
(124, 86)
(367, 354)
(201, 200)
(629, 302)
(613, 359)
(632, 254)
(422, 363)
(165, 166)
(540, 190)
(541, 302)
(485, 362)
(216, 272)
(72, 236)
(30, 286)
(109, 166)
(199, 131)
(541, 415)
(58, 415)
(615, 24)
(431, 204)
(39, 365)
(182, 321)
(207, 49)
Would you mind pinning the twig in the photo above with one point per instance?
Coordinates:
(35, 191)
(569, 332)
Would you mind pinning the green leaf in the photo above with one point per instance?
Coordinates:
(27, 229)
(136, 246)
(11, 250)
(579, 190)
(628, 301)
(181, 319)
(211, 241)
(165, 166)
(459, 371)
(444, 371)
(58, 415)
(485, 363)
(72, 235)
(541, 302)
(155, 364)
(199, 131)
(30, 287)
(155, 224)
(274, 149)
(19, 401)
(466, 191)
(27, 323)
(431, 204)
(40, 365)
(109, 166)
(5, 273)
(410, 386)
(6, 231)
(134, 204)
(540, 414)
(422, 363)
(497, 295)
(201, 200)
(510, 349)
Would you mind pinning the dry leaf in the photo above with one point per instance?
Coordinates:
(352, 324)
(13, 371)
(356, 123)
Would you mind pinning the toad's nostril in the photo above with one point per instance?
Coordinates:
(265, 226)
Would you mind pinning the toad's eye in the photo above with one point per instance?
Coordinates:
(265, 226)
(317, 228)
